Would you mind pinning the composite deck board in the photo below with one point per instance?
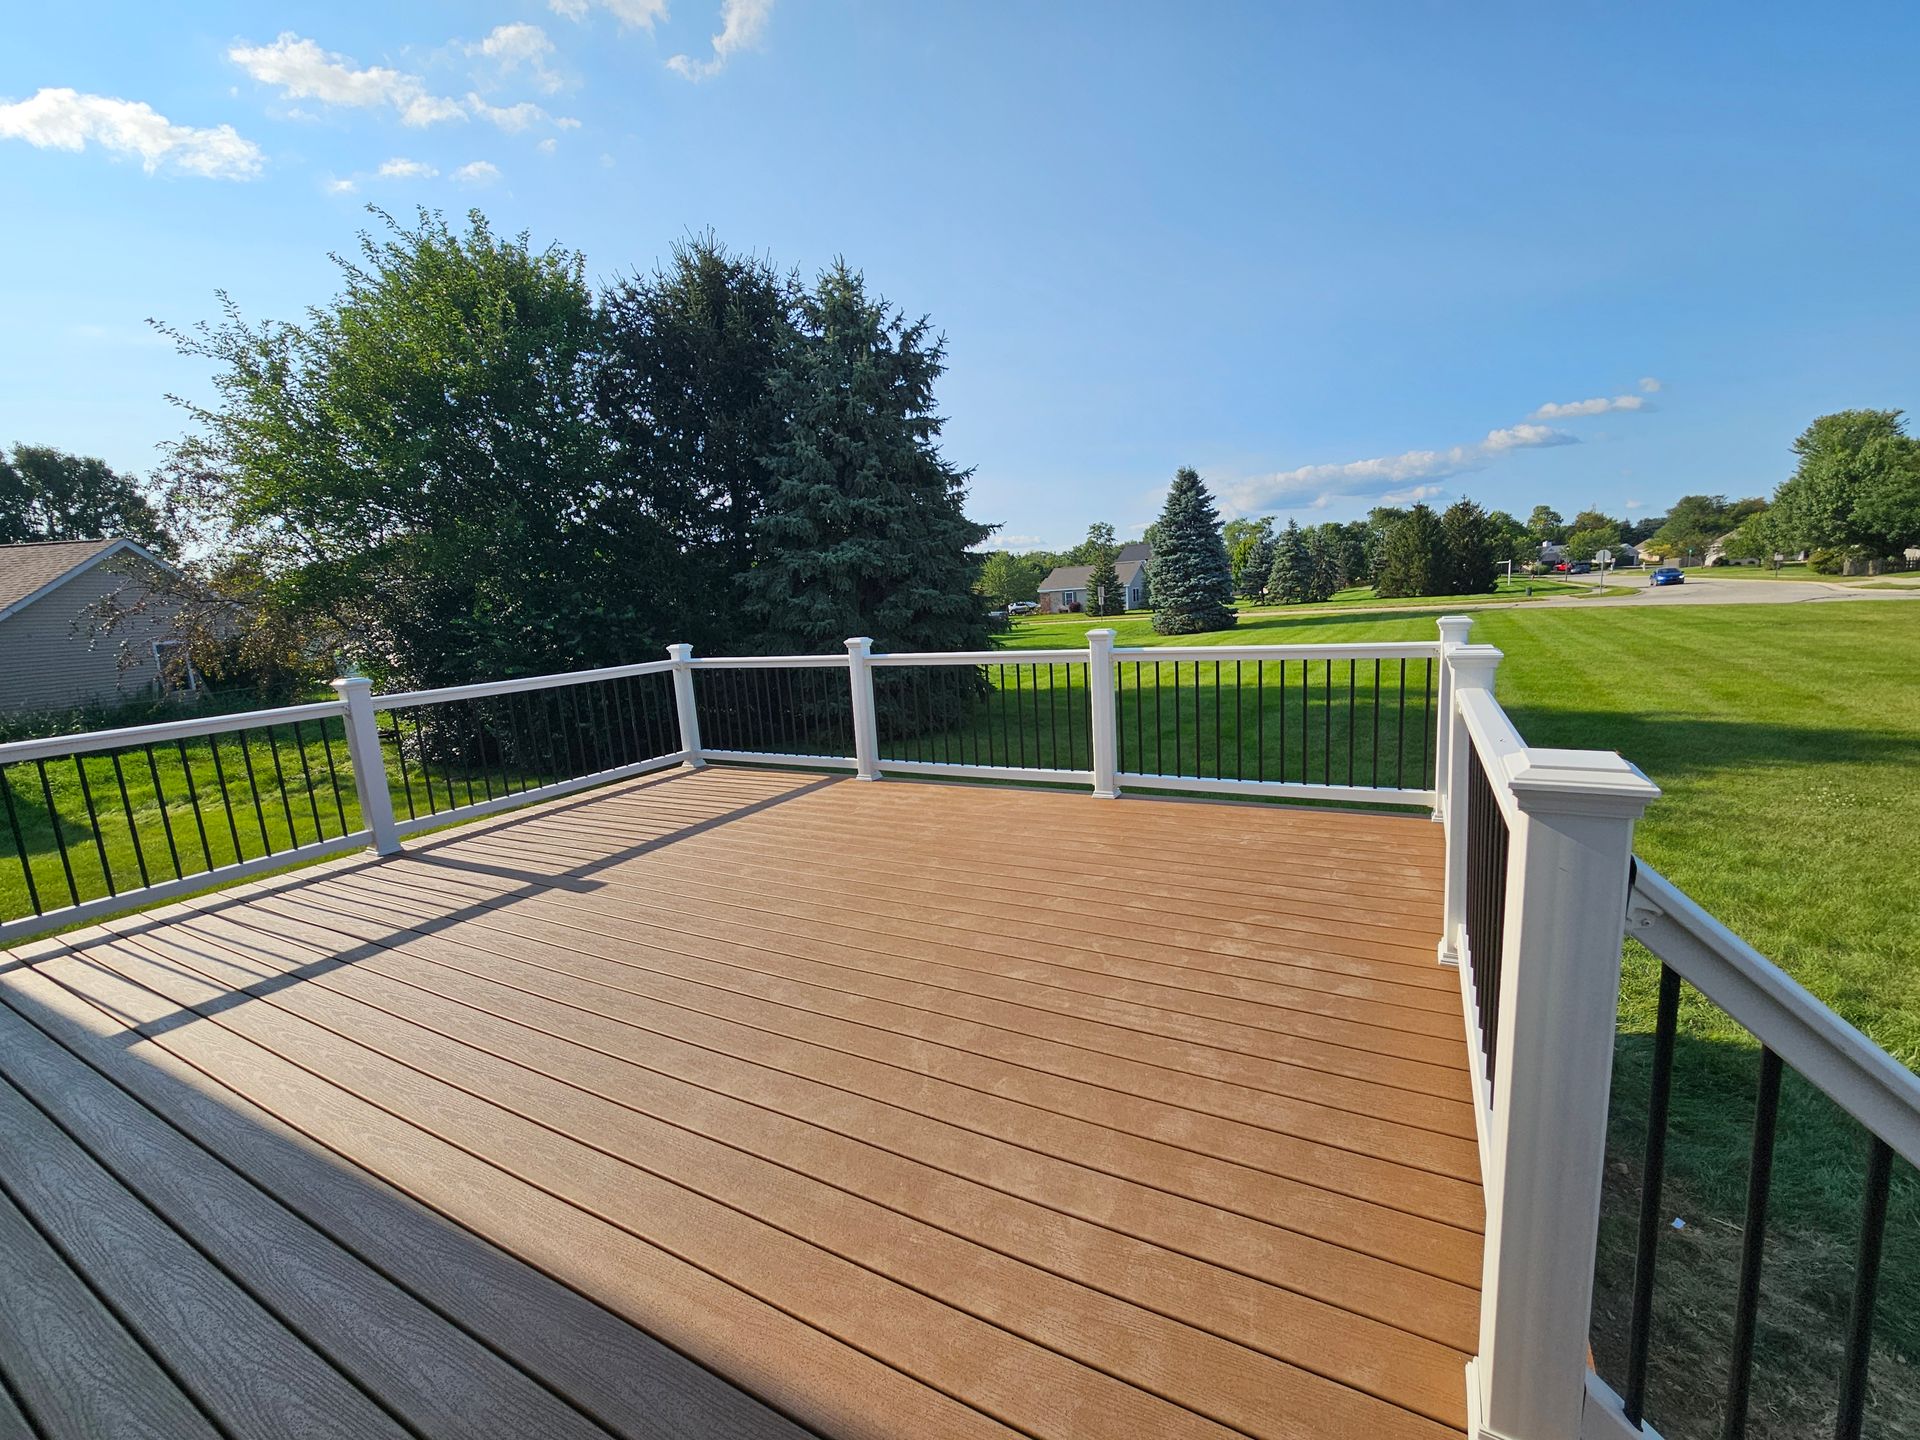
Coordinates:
(783, 1091)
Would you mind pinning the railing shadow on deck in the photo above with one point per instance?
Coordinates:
(450, 1310)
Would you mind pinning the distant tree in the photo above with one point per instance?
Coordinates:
(1324, 574)
(1289, 578)
(1511, 541)
(1415, 560)
(1380, 523)
(1100, 537)
(1467, 537)
(1591, 520)
(1351, 550)
(864, 530)
(1586, 543)
(1104, 594)
(1192, 584)
(1250, 552)
(1005, 578)
(48, 494)
(1692, 525)
(1545, 524)
(1856, 489)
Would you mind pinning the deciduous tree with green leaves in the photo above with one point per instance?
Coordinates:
(415, 476)
(1190, 580)
(48, 494)
(1006, 577)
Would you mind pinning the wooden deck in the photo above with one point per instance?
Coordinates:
(743, 1103)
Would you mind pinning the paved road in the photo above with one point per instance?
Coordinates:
(1698, 590)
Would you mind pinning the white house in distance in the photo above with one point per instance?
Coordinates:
(1065, 588)
(53, 651)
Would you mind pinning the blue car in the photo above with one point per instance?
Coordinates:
(1667, 575)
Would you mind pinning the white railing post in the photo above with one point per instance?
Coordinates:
(369, 765)
(1103, 716)
(683, 704)
(1462, 667)
(866, 730)
(1567, 875)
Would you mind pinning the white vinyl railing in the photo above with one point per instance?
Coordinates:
(1540, 888)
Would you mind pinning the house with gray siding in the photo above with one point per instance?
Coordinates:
(55, 649)
(1065, 588)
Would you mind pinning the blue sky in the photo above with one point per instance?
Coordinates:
(1575, 253)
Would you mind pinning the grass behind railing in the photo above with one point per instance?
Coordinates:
(153, 824)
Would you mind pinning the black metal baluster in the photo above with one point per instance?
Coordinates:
(253, 787)
(226, 798)
(59, 840)
(1326, 728)
(1019, 717)
(476, 732)
(1159, 728)
(1260, 720)
(1197, 772)
(166, 821)
(1652, 1177)
(1351, 725)
(286, 804)
(133, 829)
(306, 778)
(1400, 734)
(1218, 749)
(1426, 727)
(93, 821)
(1753, 1244)
(1239, 727)
(1866, 1284)
(1033, 678)
(1179, 747)
(20, 842)
(1306, 721)
(1280, 714)
(400, 753)
(1376, 723)
(333, 773)
(193, 798)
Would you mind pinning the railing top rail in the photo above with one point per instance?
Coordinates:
(1396, 650)
(404, 699)
(769, 662)
(49, 747)
(979, 657)
(1852, 1071)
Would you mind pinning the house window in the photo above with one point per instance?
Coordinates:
(1068, 597)
(173, 668)
(1133, 596)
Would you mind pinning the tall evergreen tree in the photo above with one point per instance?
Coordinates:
(684, 385)
(1469, 541)
(1414, 559)
(1323, 562)
(1191, 580)
(1287, 577)
(864, 531)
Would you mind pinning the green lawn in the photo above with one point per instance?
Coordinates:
(1787, 742)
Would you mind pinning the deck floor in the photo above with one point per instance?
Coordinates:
(748, 1103)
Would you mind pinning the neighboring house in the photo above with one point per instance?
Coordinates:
(53, 651)
(1717, 552)
(1066, 587)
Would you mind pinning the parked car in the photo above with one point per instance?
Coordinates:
(1561, 568)
(1022, 607)
(1667, 575)
(1580, 567)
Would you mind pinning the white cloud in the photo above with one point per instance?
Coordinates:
(402, 169)
(1394, 479)
(303, 71)
(515, 118)
(511, 46)
(548, 146)
(741, 24)
(1599, 405)
(1636, 504)
(338, 186)
(478, 172)
(641, 13)
(1650, 385)
(63, 119)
